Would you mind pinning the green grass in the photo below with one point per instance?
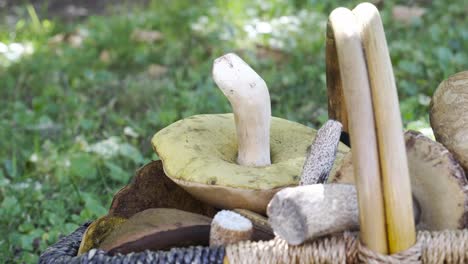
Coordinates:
(76, 122)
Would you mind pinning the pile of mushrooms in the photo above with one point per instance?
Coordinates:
(236, 160)
(254, 162)
(438, 182)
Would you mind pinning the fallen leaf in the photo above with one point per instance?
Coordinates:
(56, 40)
(156, 71)
(105, 56)
(146, 36)
(406, 14)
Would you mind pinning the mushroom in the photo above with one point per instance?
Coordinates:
(448, 116)
(202, 153)
(158, 229)
(98, 230)
(438, 183)
(151, 188)
(229, 227)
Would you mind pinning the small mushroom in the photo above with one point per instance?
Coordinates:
(229, 227)
(224, 159)
(438, 183)
(448, 116)
(158, 229)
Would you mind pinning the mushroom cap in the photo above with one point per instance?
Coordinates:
(158, 229)
(448, 116)
(199, 153)
(151, 188)
(438, 183)
(98, 231)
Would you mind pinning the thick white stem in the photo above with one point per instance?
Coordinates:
(306, 212)
(302, 213)
(250, 101)
(229, 227)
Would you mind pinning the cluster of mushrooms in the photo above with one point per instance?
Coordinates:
(223, 178)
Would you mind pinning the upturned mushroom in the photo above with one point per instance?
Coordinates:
(438, 183)
(158, 229)
(240, 160)
(448, 116)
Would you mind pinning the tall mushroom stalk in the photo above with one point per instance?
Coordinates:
(248, 94)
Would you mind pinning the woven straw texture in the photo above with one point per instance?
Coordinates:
(65, 250)
(432, 247)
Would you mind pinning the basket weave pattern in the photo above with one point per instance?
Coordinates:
(66, 249)
(431, 247)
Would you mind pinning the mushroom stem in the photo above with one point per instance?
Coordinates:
(229, 227)
(322, 154)
(298, 214)
(248, 94)
(302, 213)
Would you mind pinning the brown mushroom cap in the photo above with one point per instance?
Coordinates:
(158, 229)
(449, 118)
(199, 153)
(438, 183)
(151, 188)
(97, 231)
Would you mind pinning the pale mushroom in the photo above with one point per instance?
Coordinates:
(202, 153)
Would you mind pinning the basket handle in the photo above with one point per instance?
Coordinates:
(356, 92)
(379, 154)
(392, 151)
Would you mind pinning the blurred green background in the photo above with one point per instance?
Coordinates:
(84, 86)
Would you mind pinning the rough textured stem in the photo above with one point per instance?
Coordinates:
(304, 213)
(361, 124)
(322, 154)
(298, 214)
(250, 101)
(229, 227)
(391, 144)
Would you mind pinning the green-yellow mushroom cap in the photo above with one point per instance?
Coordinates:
(200, 154)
